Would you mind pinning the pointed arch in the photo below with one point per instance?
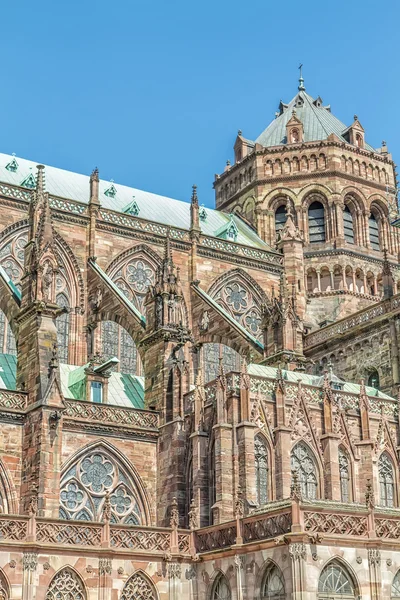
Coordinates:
(337, 582)
(5, 588)
(262, 462)
(303, 462)
(387, 480)
(93, 471)
(345, 475)
(220, 590)
(272, 583)
(8, 494)
(139, 586)
(66, 584)
(395, 591)
(242, 297)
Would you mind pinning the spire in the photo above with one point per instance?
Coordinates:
(301, 80)
(195, 200)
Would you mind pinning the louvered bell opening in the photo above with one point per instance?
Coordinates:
(348, 225)
(280, 220)
(373, 233)
(316, 223)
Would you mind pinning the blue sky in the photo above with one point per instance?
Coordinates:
(153, 93)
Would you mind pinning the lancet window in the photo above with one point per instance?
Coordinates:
(344, 472)
(212, 355)
(335, 584)
(386, 480)
(138, 587)
(221, 589)
(85, 485)
(66, 585)
(303, 464)
(273, 585)
(116, 341)
(261, 468)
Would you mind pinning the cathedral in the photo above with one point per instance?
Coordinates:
(202, 403)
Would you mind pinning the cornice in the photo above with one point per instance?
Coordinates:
(151, 238)
(345, 252)
(117, 431)
(239, 260)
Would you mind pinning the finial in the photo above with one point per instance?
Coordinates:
(40, 178)
(355, 117)
(383, 143)
(195, 199)
(239, 132)
(95, 174)
(228, 163)
(301, 80)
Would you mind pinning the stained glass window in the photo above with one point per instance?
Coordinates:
(335, 583)
(66, 585)
(230, 360)
(261, 468)
(303, 463)
(138, 587)
(273, 586)
(62, 323)
(221, 589)
(316, 222)
(386, 480)
(344, 472)
(4, 587)
(84, 487)
(7, 339)
(396, 587)
(116, 341)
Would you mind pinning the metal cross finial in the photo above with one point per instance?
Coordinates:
(301, 80)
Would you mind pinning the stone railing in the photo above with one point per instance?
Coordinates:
(240, 250)
(115, 415)
(13, 400)
(59, 533)
(216, 537)
(335, 523)
(347, 324)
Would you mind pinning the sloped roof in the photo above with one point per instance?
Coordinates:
(152, 207)
(318, 123)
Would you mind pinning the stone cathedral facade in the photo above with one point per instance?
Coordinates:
(200, 403)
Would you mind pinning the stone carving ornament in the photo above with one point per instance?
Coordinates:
(97, 486)
(137, 587)
(66, 585)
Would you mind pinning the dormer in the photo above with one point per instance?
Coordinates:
(294, 129)
(242, 147)
(355, 134)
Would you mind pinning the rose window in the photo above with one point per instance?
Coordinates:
(96, 473)
(140, 275)
(236, 296)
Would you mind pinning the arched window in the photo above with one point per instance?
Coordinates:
(212, 483)
(359, 140)
(344, 472)
(386, 480)
(273, 585)
(116, 341)
(280, 220)
(84, 486)
(303, 464)
(221, 589)
(373, 379)
(335, 583)
(295, 136)
(66, 585)
(7, 339)
(373, 232)
(138, 587)
(4, 587)
(211, 355)
(348, 225)
(316, 222)
(395, 595)
(261, 468)
(62, 323)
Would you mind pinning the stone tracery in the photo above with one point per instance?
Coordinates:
(66, 585)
